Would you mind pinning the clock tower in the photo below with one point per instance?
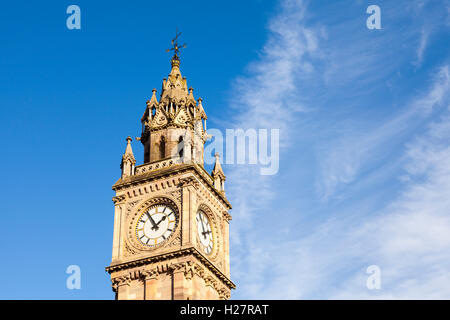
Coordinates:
(171, 219)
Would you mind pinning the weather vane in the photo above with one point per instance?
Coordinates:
(175, 47)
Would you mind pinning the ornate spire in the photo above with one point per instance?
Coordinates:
(128, 151)
(217, 167)
(175, 87)
(128, 160)
(201, 111)
(153, 101)
(190, 99)
(175, 108)
(218, 175)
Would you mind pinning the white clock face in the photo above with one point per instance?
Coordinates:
(204, 232)
(156, 225)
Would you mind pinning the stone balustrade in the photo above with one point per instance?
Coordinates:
(147, 167)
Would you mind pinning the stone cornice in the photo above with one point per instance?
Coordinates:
(119, 199)
(183, 252)
(170, 171)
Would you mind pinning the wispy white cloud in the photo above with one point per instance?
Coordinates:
(264, 98)
(327, 258)
(348, 154)
(408, 238)
(422, 46)
(267, 98)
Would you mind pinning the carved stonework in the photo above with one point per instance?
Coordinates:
(130, 206)
(210, 282)
(160, 118)
(129, 251)
(224, 294)
(150, 274)
(176, 195)
(119, 199)
(226, 215)
(176, 242)
(189, 181)
(182, 117)
(120, 281)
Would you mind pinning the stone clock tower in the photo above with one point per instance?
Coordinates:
(171, 219)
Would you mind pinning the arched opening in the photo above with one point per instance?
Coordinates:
(162, 148)
(180, 147)
(153, 111)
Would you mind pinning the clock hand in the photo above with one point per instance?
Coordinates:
(203, 227)
(155, 226)
(162, 219)
(206, 232)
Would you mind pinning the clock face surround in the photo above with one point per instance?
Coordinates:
(156, 224)
(204, 232)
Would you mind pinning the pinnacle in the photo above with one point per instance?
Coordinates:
(153, 99)
(217, 167)
(128, 150)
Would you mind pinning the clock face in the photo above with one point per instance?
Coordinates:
(204, 232)
(156, 225)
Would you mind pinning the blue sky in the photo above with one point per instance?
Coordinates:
(364, 125)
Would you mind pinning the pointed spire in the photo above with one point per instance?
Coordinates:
(190, 99)
(201, 111)
(128, 160)
(218, 175)
(217, 171)
(129, 151)
(153, 99)
(175, 87)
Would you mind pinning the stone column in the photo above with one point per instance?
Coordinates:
(118, 206)
(178, 284)
(188, 186)
(210, 285)
(150, 285)
(226, 245)
(122, 287)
